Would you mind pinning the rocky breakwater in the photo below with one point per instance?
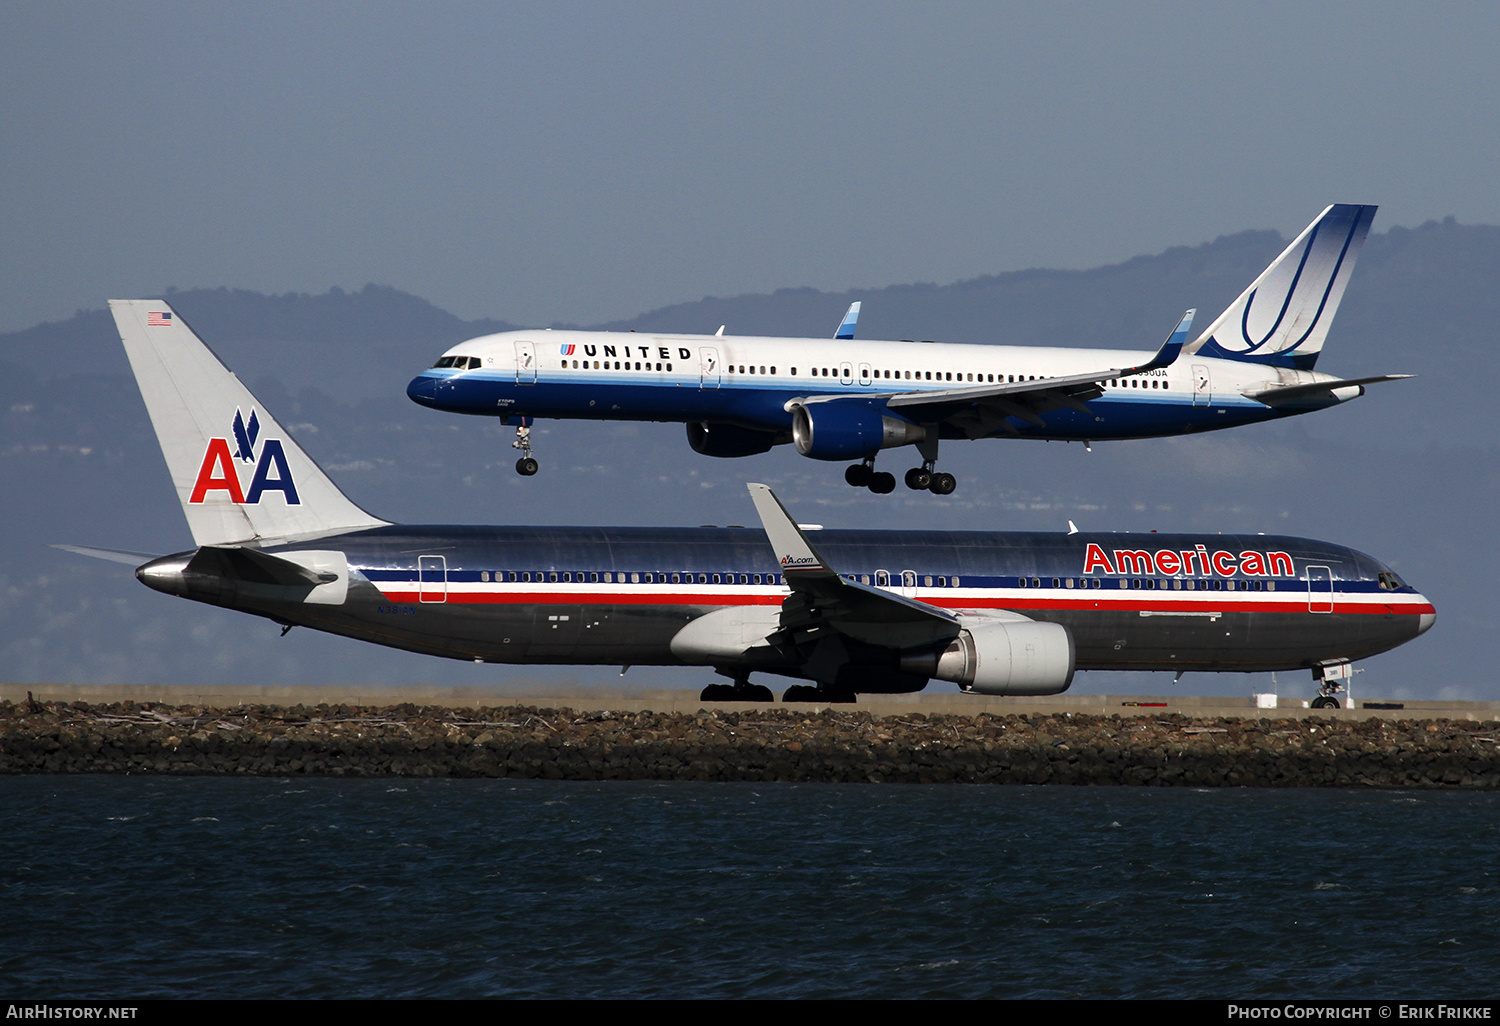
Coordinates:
(763, 745)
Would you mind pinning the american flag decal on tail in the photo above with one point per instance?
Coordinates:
(155, 319)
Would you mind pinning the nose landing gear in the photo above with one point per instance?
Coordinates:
(1330, 680)
(527, 464)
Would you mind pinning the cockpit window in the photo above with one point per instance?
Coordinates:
(1390, 582)
(459, 362)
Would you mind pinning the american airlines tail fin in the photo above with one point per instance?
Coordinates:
(240, 477)
(1284, 316)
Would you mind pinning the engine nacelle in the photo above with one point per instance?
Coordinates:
(727, 440)
(850, 429)
(1008, 657)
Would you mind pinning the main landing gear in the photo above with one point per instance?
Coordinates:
(811, 693)
(526, 465)
(923, 478)
(864, 475)
(740, 691)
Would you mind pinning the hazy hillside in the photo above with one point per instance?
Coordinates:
(1410, 472)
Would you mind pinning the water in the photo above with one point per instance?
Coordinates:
(211, 887)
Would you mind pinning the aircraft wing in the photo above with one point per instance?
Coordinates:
(980, 409)
(822, 600)
(1288, 393)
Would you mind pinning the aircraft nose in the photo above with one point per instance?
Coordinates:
(1425, 622)
(422, 390)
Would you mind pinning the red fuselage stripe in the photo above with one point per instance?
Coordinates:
(1211, 602)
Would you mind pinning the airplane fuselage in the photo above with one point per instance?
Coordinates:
(617, 596)
(753, 382)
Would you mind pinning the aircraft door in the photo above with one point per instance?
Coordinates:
(1319, 589)
(846, 373)
(865, 374)
(909, 583)
(525, 363)
(432, 579)
(883, 579)
(1202, 386)
(708, 367)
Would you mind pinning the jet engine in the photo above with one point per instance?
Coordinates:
(850, 429)
(1011, 657)
(727, 440)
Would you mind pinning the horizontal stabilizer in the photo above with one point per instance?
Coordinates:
(1290, 393)
(113, 555)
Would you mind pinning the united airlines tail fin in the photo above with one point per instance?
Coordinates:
(1284, 316)
(239, 476)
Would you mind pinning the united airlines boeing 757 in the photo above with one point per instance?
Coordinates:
(840, 399)
(849, 611)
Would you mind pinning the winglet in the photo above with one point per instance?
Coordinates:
(1167, 354)
(793, 551)
(851, 318)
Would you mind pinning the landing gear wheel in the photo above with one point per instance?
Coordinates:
(882, 483)
(739, 691)
(859, 474)
(525, 466)
(801, 693)
(1324, 702)
(918, 479)
(943, 484)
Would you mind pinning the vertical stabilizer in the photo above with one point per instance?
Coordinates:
(239, 476)
(1284, 316)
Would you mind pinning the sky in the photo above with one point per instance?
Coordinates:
(581, 162)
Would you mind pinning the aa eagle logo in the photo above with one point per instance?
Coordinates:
(219, 471)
